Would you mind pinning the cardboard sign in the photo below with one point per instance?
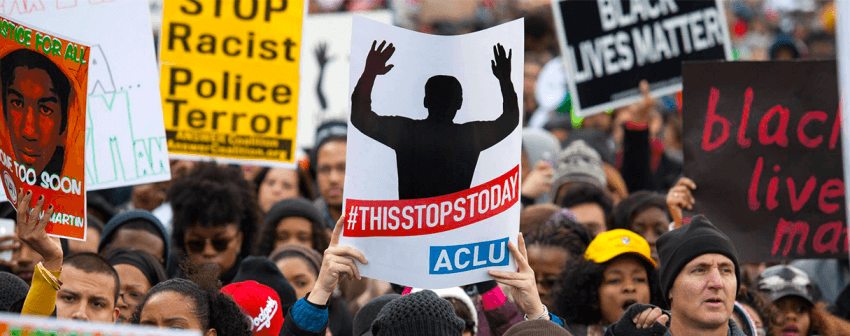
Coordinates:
(610, 46)
(325, 70)
(14, 325)
(229, 83)
(125, 140)
(43, 79)
(762, 145)
(432, 170)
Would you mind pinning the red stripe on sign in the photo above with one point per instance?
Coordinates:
(416, 217)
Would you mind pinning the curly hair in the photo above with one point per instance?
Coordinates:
(563, 231)
(577, 291)
(822, 322)
(213, 196)
(215, 310)
(624, 213)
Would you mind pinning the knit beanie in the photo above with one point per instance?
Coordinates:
(260, 303)
(293, 207)
(459, 294)
(129, 216)
(536, 328)
(141, 260)
(12, 290)
(539, 145)
(311, 256)
(367, 314)
(678, 247)
(578, 163)
(327, 131)
(423, 314)
(262, 270)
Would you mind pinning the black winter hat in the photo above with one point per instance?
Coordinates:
(12, 290)
(293, 207)
(421, 313)
(131, 216)
(262, 270)
(367, 314)
(678, 247)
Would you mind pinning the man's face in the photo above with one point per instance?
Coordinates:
(330, 171)
(86, 296)
(547, 262)
(703, 293)
(592, 216)
(34, 117)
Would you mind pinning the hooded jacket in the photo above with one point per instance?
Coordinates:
(126, 217)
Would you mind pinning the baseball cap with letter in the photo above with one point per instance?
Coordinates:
(260, 303)
(611, 244)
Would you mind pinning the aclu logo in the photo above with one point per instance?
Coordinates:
(467, 257)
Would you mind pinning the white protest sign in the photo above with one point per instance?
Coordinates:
(33, 325)
(125, 140)
(326, 41)
(432, 191)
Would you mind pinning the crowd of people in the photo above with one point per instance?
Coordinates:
(604, 247)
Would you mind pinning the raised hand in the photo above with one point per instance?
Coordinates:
(337, 263)
(522, 283)
(32, 230)
(502, 64)
(679, 197)
(322, 54)
(376, 61)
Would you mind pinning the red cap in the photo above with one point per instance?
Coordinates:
(260, 303)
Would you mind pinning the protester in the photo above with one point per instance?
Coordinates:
(463, 307)
(94, 229)
(260, 303)
(137, 229)
(699, 279)
(301, 266)
(644, 213)
(215, 217)
(532, 217)
(537, 328)
(329, 168)
(275, 184)
(576, 165)
(265, 272)
(755, 308)
(794, 296)
(292, 221)
(550, 248)
(539, 148)
(367, 314)
(616, 273)
(183, 304)
(138, 271)
(13, 291)
(590, 205)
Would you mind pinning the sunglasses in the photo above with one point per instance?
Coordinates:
(198, 245)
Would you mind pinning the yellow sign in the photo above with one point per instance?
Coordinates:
(229, 78)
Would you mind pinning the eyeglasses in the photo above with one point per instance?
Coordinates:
(132, 298)
(218, 244)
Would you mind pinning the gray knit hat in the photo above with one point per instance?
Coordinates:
(369, 312)
(12, 290)
(422, 313)
(579, 163)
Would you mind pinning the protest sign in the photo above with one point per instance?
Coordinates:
(125, 139)
(229, 83)
(324, 69)
(610, 46)
(843, 41)
(42, 146)
(432, 175)
(761, 143)
(15, 325)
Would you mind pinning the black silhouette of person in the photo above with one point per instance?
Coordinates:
(434, 156)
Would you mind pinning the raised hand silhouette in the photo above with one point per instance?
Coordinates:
(322, 56)
(376, 60)
(501, 65)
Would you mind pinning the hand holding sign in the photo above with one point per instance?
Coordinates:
(522, 282)
(376, 61)
(31, 229)
(337, 263)
(502, 64)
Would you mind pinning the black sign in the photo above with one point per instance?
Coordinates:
(762, 142)
(610, 46)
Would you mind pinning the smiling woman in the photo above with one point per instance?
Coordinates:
(35, 95)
